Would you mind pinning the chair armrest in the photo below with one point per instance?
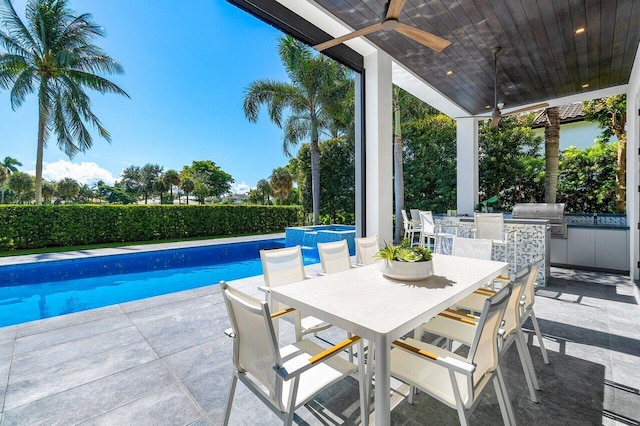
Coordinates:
(229, 332)
(452, 314)
(308, 277)
(299, 364)
(322, 274)
(264, 289)
(454, 364)
(282, 312)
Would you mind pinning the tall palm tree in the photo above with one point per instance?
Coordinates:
(315, 83)
(9, 164)
(52, 55)
(187, 185)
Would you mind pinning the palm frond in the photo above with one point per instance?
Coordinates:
(95, 82)
(22, 86)
(296, 129)
(17, 31)
(276, 96)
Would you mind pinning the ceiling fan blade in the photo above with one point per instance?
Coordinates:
(432, 41)
(529, 108)
(364, 31)
(394, 9)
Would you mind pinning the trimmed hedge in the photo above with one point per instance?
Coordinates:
(26, 227)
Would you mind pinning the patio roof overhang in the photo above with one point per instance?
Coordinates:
(543, 58)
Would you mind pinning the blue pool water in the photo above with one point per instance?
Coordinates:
(46, 289)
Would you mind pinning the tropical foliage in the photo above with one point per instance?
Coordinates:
(52, 55)
(316, 88)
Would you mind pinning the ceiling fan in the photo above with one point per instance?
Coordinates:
(391, 23)
(496, 114)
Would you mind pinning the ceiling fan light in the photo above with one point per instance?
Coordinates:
(580, 30)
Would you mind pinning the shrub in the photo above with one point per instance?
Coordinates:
(67, 225)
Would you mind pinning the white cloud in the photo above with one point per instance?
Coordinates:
(240, 188)
(85, 172)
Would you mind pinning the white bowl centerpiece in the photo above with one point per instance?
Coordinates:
(403, 262)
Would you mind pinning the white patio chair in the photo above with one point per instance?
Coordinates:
(284, 266)
(415, 216)
(334, 256)
(283, 378)
(430, 231)
(473, 248)
(490, 226)
(366, 250)
(461, 327)
(528, 300)
(410, 227)
(458, 381)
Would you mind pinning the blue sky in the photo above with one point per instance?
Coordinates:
(187, 65)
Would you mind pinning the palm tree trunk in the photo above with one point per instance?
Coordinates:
(398, 173)
(315, 171)
(42, 122)
(621, 174)
(552, 153)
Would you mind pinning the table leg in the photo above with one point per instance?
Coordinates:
(382, 401)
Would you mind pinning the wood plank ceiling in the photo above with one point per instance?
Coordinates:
(541, 58)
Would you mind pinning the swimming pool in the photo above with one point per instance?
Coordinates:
(46, 289)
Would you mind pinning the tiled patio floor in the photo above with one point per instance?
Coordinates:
(165, 361)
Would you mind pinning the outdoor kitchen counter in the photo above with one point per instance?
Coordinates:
(533, 239)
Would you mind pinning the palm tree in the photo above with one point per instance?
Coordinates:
(9, 165)
(21, 184)
(551, 154)
(281, 183)
(171, 179)
(187, 185)
(52, 55)
(316, 83)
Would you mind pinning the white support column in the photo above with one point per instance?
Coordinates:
(379, 147)
(467, 165)
(633, 166)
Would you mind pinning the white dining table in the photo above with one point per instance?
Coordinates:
(379, 309)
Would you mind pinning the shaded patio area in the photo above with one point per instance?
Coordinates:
(166, 361)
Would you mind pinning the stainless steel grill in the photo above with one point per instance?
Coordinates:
(553, 212)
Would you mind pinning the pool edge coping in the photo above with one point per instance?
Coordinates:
(81, 254)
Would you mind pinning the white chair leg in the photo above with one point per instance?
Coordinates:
(505, 396)
(232, 391)
(370, 370)
(522, 352)
(534, 377)
(350, 349)
(363, 385)
(536, 327)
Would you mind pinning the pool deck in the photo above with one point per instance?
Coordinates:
(165, 361)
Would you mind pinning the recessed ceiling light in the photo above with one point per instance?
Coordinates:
(450, 72)
(580, 30)
(487, 106)
(585, 85)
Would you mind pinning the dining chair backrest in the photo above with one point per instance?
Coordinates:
(470, 247)
(484, 350)
(427, 223)
(366, 250)
(512, 313)
(406, 223)
(334, 256)
(255, 348)
(415, 215)
(489, 226)
(282, 266)
(530, 286)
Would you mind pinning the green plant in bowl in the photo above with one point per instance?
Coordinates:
(404, 252)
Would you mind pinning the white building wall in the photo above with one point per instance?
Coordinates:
(581, 134)
(633, 166)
